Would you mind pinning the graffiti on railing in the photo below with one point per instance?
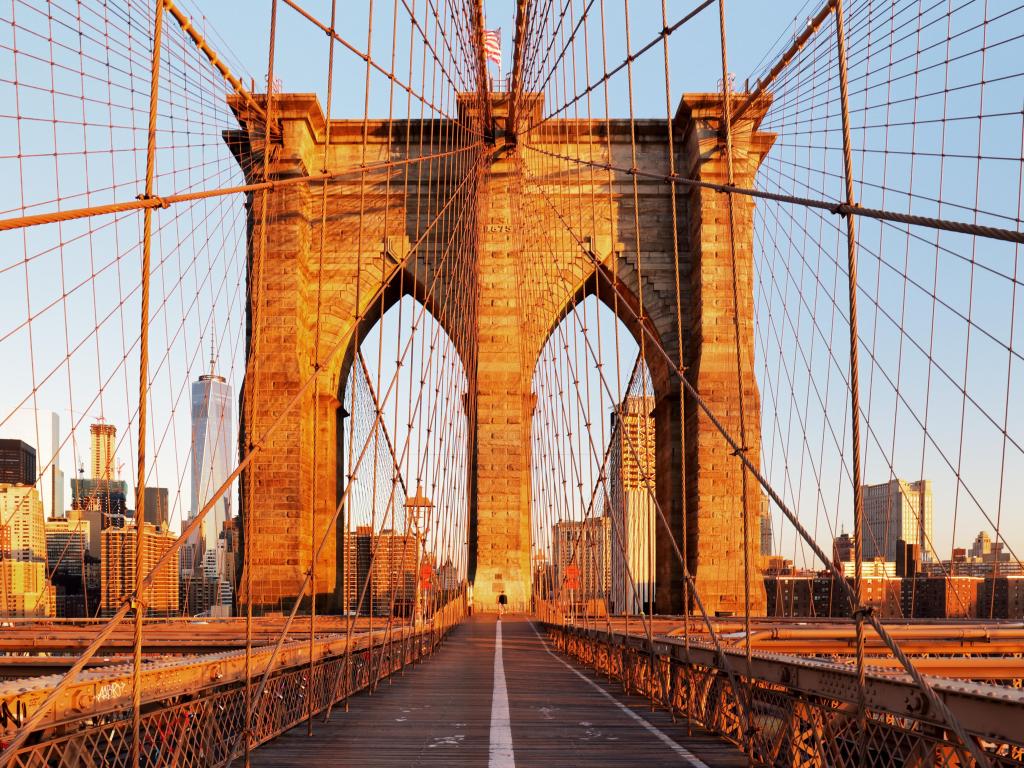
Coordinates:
(12, 716)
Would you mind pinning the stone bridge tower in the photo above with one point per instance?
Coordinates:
(365, 247)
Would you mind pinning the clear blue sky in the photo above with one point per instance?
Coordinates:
(753, 27)
(800, 287)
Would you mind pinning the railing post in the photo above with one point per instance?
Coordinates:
(140, 495)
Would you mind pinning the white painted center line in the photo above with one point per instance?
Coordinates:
(501, 753)
(681, 751)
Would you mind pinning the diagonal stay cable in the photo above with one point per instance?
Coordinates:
(662, 35)
(937, 704)
(372, 436)
(72, 674)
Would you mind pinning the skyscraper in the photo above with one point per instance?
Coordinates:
(118, 567)
(17, 462)
(213, 457)
(24, 588)
(379, 576)
(227, 550)
(982, 545)
(897, 510)
(393, 573)
(100, 498)
(156, 510)
(67, 544)
(41, 430)
(842, 549)
(101, 451)
(67, 541)
(767, 543)
(583, 558)
(631, 506)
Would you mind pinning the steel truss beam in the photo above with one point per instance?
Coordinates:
(106, 690)
(991, 713)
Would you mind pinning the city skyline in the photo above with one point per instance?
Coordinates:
(77, 440)
(65, 489)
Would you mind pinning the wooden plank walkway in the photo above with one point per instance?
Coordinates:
(440, 714)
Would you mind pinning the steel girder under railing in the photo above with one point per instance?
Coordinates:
(203, 728)
(804, 711)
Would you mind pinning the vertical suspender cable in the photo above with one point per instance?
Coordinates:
(643, 318)
(851, 255)
(727, 129)
(316, 372)
(683, 487)
(256, 277)
(140, 503)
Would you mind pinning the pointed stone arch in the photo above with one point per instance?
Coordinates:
(717, 331)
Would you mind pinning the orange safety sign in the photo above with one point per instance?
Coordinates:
(572, 576)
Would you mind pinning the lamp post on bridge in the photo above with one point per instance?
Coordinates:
(418, 514)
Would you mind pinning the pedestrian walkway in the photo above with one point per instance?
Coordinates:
(495, 695)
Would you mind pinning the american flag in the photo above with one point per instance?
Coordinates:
(492, 46)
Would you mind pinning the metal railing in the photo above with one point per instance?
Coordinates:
(805, 712)
(207, 728)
